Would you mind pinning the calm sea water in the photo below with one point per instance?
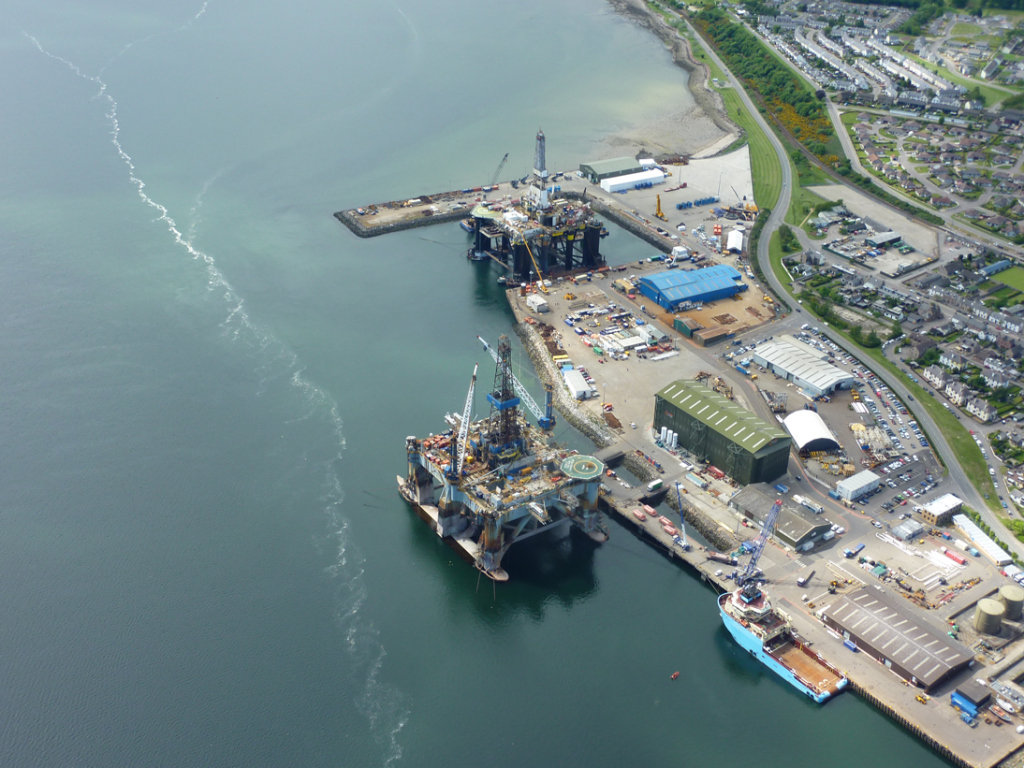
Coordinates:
(205, 383)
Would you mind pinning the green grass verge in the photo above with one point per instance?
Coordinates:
(764, 163)
(775, 255)
(801, 203)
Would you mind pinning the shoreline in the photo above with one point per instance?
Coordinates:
(708, 101)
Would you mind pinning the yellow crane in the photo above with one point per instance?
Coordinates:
(540, 277)
(658, 214)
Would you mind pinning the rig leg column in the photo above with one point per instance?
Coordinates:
(590, 521)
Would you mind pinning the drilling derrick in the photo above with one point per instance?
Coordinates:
(504, 425)
(501, 479)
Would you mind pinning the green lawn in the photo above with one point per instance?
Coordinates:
(775, 257)
(962, 28)
(1013, 277)
(801, 203)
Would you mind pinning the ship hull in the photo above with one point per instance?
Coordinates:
(752, 644)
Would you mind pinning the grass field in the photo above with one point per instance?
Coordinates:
(801, 203)
(962, 28)
(1013, 277)
(775, 257)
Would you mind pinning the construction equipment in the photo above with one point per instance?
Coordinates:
(459, 446)
(545, 418)
(682, 522)
(747, 580)
(500, 166)
(658, 214)
(833, 586)
(540, 277)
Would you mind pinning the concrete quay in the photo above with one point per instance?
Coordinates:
(935, 723)
(630, 385)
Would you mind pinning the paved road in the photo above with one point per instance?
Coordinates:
(938, 441)
(964, 489)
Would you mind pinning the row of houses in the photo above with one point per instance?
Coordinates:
(959, 394)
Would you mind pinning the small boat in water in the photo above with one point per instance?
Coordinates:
(467, 224)
(675, 676)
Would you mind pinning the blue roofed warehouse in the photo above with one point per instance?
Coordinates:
(670, 289)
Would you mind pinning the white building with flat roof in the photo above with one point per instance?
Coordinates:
(852, 488)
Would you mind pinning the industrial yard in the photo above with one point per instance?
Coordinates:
(712, 415)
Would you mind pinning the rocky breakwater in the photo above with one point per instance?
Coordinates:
(588, 423)
(704, 524)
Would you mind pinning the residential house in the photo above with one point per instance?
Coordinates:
(917, 344)
(935, 376)
(952, 360)
(981, 409)
(996, 380)
(957, 392)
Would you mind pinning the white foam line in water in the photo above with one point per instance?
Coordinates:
(383, 704)
(193, 213)
(134, 43)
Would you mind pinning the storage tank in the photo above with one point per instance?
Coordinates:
(1012, 598)
(988, 618)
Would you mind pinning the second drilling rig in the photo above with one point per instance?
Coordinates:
(484, 485)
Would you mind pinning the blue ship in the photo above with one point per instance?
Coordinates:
(767, 635)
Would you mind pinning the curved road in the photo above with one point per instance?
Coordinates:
(938, 441)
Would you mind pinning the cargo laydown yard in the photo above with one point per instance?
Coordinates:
(779, 468)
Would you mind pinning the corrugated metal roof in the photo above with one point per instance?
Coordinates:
(722, 415)
(801, 364)
(613, 165)
(678, 286)
(886, 626)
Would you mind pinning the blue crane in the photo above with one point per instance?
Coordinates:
(682, 523)
(747, 580)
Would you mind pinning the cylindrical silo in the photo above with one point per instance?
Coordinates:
(1012, 597)
(664, 431)
(989, 616)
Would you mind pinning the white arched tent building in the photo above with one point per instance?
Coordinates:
(809, 431)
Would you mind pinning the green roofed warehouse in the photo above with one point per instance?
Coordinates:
(717, 430)
(606, 169)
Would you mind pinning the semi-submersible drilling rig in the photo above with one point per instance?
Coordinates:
(484, 485)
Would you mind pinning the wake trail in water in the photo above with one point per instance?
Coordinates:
(382, 704)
